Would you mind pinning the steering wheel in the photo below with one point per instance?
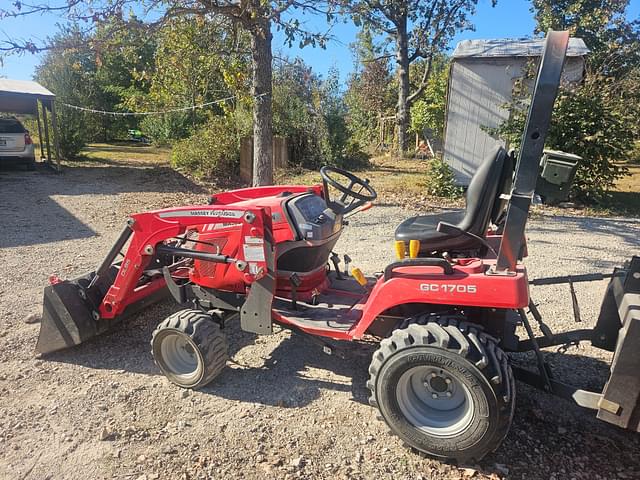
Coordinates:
(355, 191)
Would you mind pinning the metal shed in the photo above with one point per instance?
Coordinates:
(31, 98)
(481, 82)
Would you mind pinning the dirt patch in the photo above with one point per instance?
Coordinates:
(283, 408)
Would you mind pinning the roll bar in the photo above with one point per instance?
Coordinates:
(531, 149)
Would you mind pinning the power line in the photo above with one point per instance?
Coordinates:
(159, 112)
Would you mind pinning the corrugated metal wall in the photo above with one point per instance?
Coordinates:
(479, 88)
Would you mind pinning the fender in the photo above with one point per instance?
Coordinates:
(468, 285)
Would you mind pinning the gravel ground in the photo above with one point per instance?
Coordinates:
(282, 409)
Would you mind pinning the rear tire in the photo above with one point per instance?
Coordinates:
(190, 348)
(31, 165)
(444, 387)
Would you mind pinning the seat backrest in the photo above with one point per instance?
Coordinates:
(482, 192)
(498, 212)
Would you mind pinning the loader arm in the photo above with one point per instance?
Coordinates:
(79, 309)
(150, 229)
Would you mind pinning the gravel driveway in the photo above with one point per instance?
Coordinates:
(282, 409)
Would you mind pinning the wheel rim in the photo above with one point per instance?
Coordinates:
(434, 401)
(180, 357)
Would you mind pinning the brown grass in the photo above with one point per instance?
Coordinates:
(626, 196)
(398, 181)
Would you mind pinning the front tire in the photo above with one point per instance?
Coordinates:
(444, 387)
(190, 348)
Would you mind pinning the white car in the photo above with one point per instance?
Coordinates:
(16, 145)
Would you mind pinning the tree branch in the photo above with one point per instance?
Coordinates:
(423, 83)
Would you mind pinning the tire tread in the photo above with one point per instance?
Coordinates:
(206, 334)
(454, 334)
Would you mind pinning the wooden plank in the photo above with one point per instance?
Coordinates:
(40, 139)
(46, 132)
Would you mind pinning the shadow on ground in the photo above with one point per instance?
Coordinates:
(283, 371)
(544, 431)
(31, 214)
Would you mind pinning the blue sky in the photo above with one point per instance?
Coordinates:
(509, 19)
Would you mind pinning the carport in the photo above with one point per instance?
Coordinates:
(30, 98)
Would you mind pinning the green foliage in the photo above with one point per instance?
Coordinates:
(416, 31)
(311, 114)
(122, 66)
(602, 24)
(588, 120)
(196, 61)
(122, 50)
(440, 180)
(164, 129)
(591, 122)
(428, 113)
(212, 151)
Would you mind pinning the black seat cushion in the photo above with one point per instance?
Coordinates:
(483, 193)
(423, 228)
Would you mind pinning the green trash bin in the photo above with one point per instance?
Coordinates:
(557, 171)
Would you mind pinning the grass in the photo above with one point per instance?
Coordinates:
(397, 181)
(127, 153)
(626, 196)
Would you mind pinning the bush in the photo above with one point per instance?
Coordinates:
(441, 180)
(71, 132)
(213, 150)
(591, 120)
(354, 157)
(164, 129)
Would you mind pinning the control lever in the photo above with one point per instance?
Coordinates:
(364, 207)
(335, 259)
(295, 281)
(449, 229)
(347, 261)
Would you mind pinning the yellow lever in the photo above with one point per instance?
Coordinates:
(414, 248)
(359, 276)
(400, 249)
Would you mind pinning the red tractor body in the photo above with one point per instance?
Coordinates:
(444, 318)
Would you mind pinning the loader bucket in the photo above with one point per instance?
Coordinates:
(68, 317)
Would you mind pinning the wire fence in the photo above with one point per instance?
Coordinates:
(158, 112)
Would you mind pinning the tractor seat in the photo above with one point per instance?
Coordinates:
(483, 204)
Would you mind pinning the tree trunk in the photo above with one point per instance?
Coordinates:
(402, 67)
(262, 113)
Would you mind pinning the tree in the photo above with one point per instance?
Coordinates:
(71, 75)
(254, 16)
(602, 24)
(187, 72)
(121, 55)
(369, 88)
(418, 29)
(428, 113)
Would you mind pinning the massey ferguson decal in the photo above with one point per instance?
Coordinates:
(203, 213)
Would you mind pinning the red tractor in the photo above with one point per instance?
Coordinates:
(444, 314)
